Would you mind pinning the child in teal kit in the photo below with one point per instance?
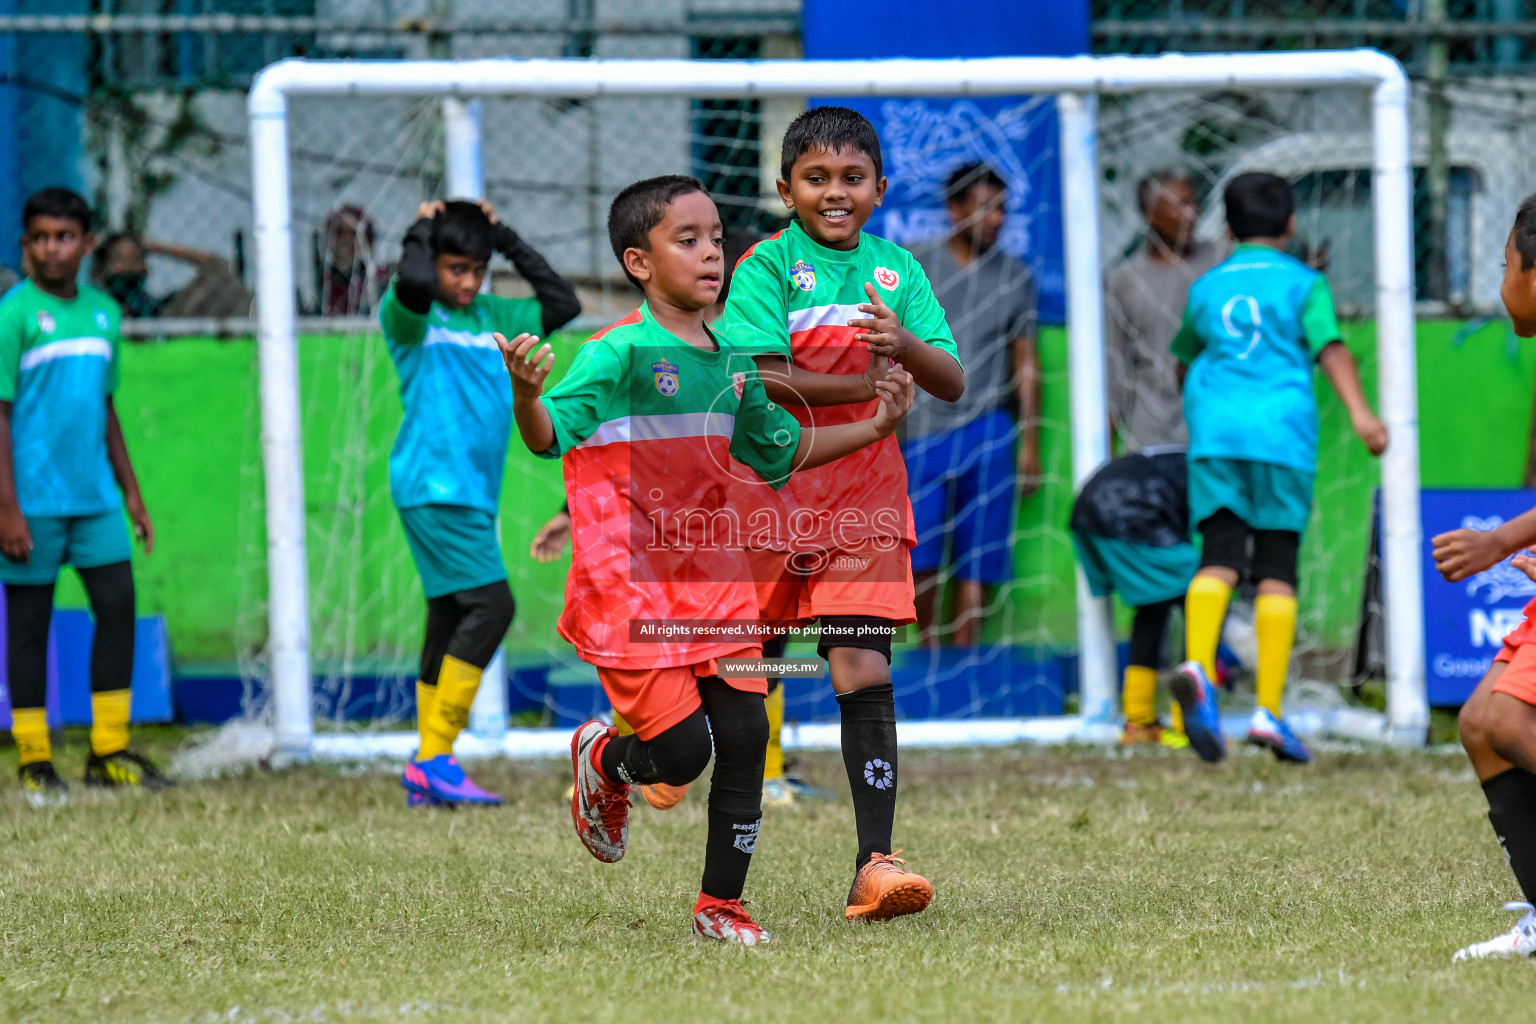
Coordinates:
(1253, 327)
(446, 466)
(65, 481)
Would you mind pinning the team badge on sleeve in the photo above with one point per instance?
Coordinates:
(887, 278)
(45, 322)
(739, 383)
(101, 319)
(803, 275)
(666, 378)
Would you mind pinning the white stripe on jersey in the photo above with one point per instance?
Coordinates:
(65, 348)
(661, 427)
(461, 339)
(824, 316)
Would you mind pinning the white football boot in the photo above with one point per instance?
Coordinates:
(1518, 941)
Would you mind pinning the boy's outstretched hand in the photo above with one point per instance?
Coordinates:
(882, 335)
(1525, 563)
(895, 392)
(1371, 431)
(1462, 553)
(528, 363)
(549, 542)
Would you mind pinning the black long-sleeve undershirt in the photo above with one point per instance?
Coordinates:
(416, 280)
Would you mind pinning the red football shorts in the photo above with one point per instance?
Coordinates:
(864, 582)
(654, 700)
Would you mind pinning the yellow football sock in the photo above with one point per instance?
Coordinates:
(1274, 624)
(1205, 606)
(773, 762)
(109, 721)
(1176, 718)
(625, 729)
(29, 727)
(426, 693)
(1138, 696)
(457, 682)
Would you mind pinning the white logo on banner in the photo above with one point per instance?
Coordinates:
(924, 143)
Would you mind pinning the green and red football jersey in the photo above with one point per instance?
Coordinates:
(662, 442)
(793, 297)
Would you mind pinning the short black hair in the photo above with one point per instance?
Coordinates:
(831, 129)
(1152, 184)
(57, 202)
(1259, 205)
(462, 229)
(963, 179)
(640, 207)
(1524, 233)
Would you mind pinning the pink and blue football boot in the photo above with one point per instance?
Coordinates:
(440, 781)
(1202, 718)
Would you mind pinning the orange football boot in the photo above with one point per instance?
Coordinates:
(884, 889)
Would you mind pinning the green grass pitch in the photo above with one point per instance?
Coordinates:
(1071, 885)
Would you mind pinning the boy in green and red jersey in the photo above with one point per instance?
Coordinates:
(663, 427)
(65, 478)
(828, 307)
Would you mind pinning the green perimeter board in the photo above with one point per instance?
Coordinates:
(190, 413)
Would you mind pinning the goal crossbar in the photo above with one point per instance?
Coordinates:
(1076, 81)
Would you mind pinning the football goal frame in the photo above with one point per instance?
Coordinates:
(1076, 82)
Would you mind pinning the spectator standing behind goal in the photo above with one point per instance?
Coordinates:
(120, 268)
(1144, 303)
(1253, 328)
(962, 468)
(446, 465)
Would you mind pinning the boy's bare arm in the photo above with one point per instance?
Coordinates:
(528, 364)
(15, 536)
(1462, 553)
(934, 370)
(821, 445)
(1342, 372)
(128, 481)
(788, 384)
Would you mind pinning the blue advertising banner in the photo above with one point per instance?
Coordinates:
(1465, 623)
(925, 139)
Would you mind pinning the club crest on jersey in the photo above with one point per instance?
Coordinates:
(101, 319)
(45, 322)
(887, 278)
(803, 275)
(665, 374)
(738, 383)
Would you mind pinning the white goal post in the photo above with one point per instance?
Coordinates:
(1076, 81)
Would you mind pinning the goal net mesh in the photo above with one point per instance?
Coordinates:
(361, 166)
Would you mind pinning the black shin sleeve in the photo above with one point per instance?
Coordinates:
(738, 722)
(1224, 542)
(485, 614)
(1275, 553)
(869, 758)
(1512, 811)
(109, 589)
(443, 615)
(28, 614)
(1148, 631)
(676, 757)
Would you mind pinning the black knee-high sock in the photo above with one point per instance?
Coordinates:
(109, 588)
(738, 722)
(28, 614)
(869, 756)
(675, 757)
(1512, 811)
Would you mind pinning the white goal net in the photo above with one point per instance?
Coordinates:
(343, 152)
